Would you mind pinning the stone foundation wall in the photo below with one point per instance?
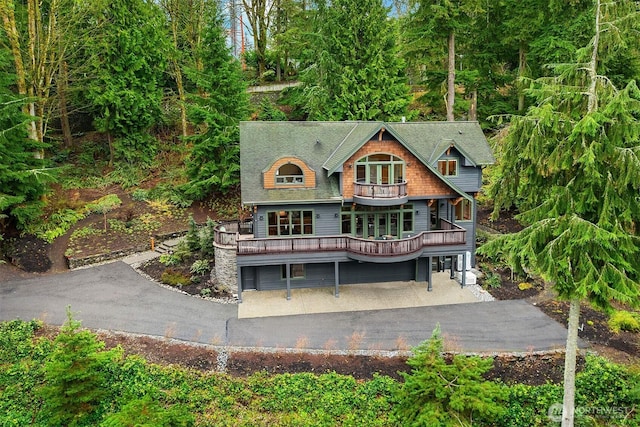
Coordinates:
(225, 271)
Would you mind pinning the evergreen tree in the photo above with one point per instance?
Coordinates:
(127, 63)
(214, 163)
(437, 393)
(23, 178)
(358, 74)
(433, 26)
(269, 112)
(75, 375)
(572, 165)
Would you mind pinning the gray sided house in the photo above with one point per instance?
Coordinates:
(354, 202)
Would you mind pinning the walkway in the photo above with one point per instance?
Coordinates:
(115, 297)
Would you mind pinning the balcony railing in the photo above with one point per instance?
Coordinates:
(380, 191)
(450, 235)
(227, 233)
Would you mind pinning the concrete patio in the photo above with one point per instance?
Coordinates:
(361, 297)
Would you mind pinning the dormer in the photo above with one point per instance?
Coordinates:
(289, 172)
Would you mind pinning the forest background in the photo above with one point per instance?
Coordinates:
(150, 93)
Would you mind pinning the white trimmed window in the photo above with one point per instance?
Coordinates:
(289, 174)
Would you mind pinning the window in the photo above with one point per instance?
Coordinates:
(375, 221)
(448, 167)
(296, 271)
(289, 174)
(289, 223)
(380, 169)
(463, 210)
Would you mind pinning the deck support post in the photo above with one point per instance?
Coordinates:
(453, 267)
(336, 275)
(463, 272)
(239, 284)
(288, 270)
(429, 274)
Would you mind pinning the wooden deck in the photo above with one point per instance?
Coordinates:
(229, 236)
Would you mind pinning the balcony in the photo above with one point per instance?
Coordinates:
(355, 248)
(380, 194)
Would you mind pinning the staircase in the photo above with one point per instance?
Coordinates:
(167, 246)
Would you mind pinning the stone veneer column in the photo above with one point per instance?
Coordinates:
(225, 271)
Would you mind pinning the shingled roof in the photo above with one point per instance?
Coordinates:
(324, 146)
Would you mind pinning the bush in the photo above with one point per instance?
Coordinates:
(206, 239)
(623, 320)
(75, 375)
(174, 278)
(147, 412)
(180, 253)
(57, 224)
(193, 235)
(140, 195)
(200, 267)
(491, 280)
(439, 393)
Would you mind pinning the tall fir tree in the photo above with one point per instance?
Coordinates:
(214, 162)
(23, 177)
(430, 37)
(573, 165)
(441, 393)
(75, 375)
(358, 74)
(127, 64)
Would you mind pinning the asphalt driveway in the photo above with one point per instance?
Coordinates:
(115, 297)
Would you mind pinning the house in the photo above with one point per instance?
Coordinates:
(353, 202)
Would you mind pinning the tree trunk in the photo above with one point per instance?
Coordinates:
(111, 149)
(522, 65)
(451, 77)
(33, 16)
(473, 106)
(173, 15)
(183, 102)
(62, 105)
(9, 23)
(568, 403)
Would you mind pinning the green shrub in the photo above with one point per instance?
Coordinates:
(207, 235)
(174, 278)
(147, 412)
(140, 195)
(491, 280)
(57, 224)
(192, 237)
(200, 267)
(75, 375)
(84, 232)
(439, 393)
(169, 260)
(622, 320)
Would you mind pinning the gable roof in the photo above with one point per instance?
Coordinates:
(325, 146)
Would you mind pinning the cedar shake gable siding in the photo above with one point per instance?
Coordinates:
(269, 176)
(421, 182)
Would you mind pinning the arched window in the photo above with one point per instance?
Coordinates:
(289, 174)
(380, 169)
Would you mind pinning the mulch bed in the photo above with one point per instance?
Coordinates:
(533, 369)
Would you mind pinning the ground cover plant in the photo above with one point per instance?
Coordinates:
(123, 385)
